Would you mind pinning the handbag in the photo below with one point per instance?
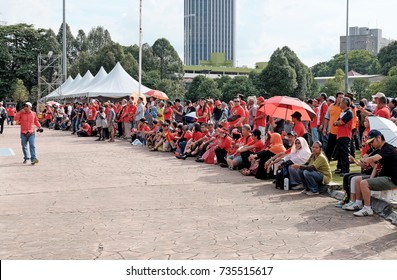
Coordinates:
(232, 118)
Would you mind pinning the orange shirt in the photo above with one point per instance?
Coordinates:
(91, 114)
(197, 135)
(382, 112)
(334, 114)
(226, 143)
(313, 123)
(87, 128)
(27, 121)
(258, 146)
(299, 128)
(48, 114)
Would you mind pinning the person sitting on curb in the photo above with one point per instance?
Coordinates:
(387, 179)
(315, 172)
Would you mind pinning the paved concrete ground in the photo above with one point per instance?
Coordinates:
(90, 200)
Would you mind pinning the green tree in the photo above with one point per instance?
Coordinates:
(84, 62)
(98, 38)
(20, 94)
(71, 51)
(173, 88)
(374, 88)
(168, 58)
(322, 69)
(361, 87)
(81, 42)
(330, 87)
(279, 78)
(239, 85)
(209, 89)
(151, 79)
(390, 86)
(392, 71)
(388, 57)
(303, 73)
(108, 56)
(193, 91)
(131, 66)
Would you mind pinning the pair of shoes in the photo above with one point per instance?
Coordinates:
(34, 161)
(343, 174)
(111, 140)
(338, 171)
(223, 164)
(312, 193)
(181, 157)
(97, 139)
(364, 212)
(153, 149)
(353, 207)
(24, 161)
(199, 160)
(304, 191)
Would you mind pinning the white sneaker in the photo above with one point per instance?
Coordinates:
(354, 207)
(350, 203)
(364, 212)
(312, 193)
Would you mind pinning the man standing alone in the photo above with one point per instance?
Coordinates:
(28, 119)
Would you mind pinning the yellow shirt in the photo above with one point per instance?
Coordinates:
(160, 111)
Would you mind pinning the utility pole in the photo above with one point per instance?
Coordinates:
(347, 50)
(140, 47)
(64, 58)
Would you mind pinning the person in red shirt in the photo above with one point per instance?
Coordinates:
(91, 115)
(202, 112)
(48, 115)
(224, 146)
(314, 122)
(246, 112)
(11, 111)
(344, 135)
(128, 117)
(168, 111)
(255, 146)
(237, 115)
(382, 110)
(299, 128)
(260, 117)
(85, 129)
(236, 161)
(28, 120)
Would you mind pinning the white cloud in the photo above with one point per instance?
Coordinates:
(311, 28)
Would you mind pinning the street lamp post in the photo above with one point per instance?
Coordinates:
(64, 64)
(140, 47)
(347, 50)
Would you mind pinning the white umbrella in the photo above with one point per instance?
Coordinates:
(386, 127)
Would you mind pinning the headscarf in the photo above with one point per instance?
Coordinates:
(276, 144)
(300, 156)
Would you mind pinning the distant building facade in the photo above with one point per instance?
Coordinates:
(364, 38)
(209, 27)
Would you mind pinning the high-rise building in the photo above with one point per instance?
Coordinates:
(209, 28)
(364, 38)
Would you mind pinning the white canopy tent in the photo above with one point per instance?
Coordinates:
(58, 92)
(87, 78)
(118, 83)
(102, 74)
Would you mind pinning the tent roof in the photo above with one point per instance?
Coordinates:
(57, 92)
(87, 78)
(82, 91)
(118, 83)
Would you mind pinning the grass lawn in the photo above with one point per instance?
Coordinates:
(336, 178)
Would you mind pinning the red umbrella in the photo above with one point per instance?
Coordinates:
(284, 106)
(157, 94)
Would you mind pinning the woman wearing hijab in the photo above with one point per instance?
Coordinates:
(276, 147)
(300, 154)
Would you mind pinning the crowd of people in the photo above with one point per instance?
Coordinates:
(239, 135)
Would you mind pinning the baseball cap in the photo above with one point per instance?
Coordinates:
(378, 95)
(29, 104)
(372, 135)
(332, 98)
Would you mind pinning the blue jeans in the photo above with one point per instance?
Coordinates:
(25, 139)
(315, 136)
(311, 180)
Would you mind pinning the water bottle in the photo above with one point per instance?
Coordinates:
(286, 184)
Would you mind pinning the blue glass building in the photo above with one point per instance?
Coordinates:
(209, 28)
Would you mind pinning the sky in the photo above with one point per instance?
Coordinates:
(311, 28)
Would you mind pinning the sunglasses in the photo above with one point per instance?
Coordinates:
(236, 100)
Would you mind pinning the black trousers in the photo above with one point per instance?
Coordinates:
(1, 125)
(220, 155)
(120, 129)
(264, 156)
(246, 162)
(342, 153)
(330, 146)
